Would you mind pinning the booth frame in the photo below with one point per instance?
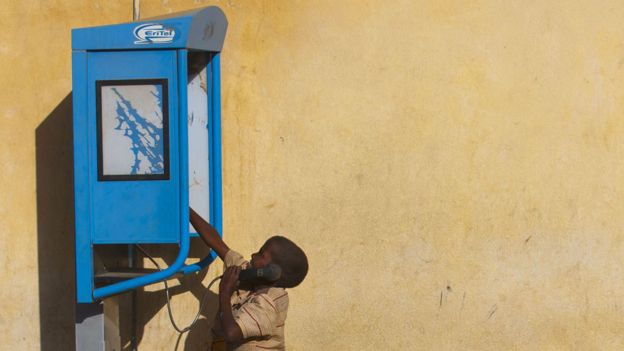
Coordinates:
(83, 43)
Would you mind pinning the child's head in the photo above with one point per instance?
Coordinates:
(287, 255)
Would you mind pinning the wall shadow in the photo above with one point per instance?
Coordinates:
(152, 302)
(55, 228)
(56, 256)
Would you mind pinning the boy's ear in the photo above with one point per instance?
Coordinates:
(272, 249)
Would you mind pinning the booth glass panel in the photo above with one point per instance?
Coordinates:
(198, 135)
(133, 129)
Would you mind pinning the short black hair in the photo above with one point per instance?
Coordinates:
(290, 258)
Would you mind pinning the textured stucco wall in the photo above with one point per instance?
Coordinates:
(452, 168)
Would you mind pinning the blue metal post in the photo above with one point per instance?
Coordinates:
(84, 254)
(216, 173)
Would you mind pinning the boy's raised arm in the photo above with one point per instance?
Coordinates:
(208, 234)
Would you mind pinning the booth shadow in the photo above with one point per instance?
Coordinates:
(55, 228)
(56, 257)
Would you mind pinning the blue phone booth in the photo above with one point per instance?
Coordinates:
(147, 139)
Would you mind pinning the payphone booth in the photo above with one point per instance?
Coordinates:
(147, 140)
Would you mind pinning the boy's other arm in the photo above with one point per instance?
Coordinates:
(231, 331)
(208, 234)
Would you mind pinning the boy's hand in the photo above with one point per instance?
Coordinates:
(229, 281)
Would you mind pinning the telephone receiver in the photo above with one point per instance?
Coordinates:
(270, 273)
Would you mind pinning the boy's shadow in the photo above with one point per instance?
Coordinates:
(55, 243)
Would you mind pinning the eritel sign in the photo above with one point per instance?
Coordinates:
(153, 33)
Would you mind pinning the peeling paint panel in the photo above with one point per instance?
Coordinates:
(132, 130)
(198, 144)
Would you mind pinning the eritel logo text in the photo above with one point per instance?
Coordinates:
(153, 33)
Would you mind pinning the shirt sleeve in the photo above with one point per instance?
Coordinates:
(257, 317)
(233, 258)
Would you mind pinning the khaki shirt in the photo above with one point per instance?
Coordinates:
(260, 315)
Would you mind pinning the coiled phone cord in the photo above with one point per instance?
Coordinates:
(202, 302)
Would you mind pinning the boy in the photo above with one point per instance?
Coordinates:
(252, 316)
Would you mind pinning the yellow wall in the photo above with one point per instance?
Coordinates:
(452, 168)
